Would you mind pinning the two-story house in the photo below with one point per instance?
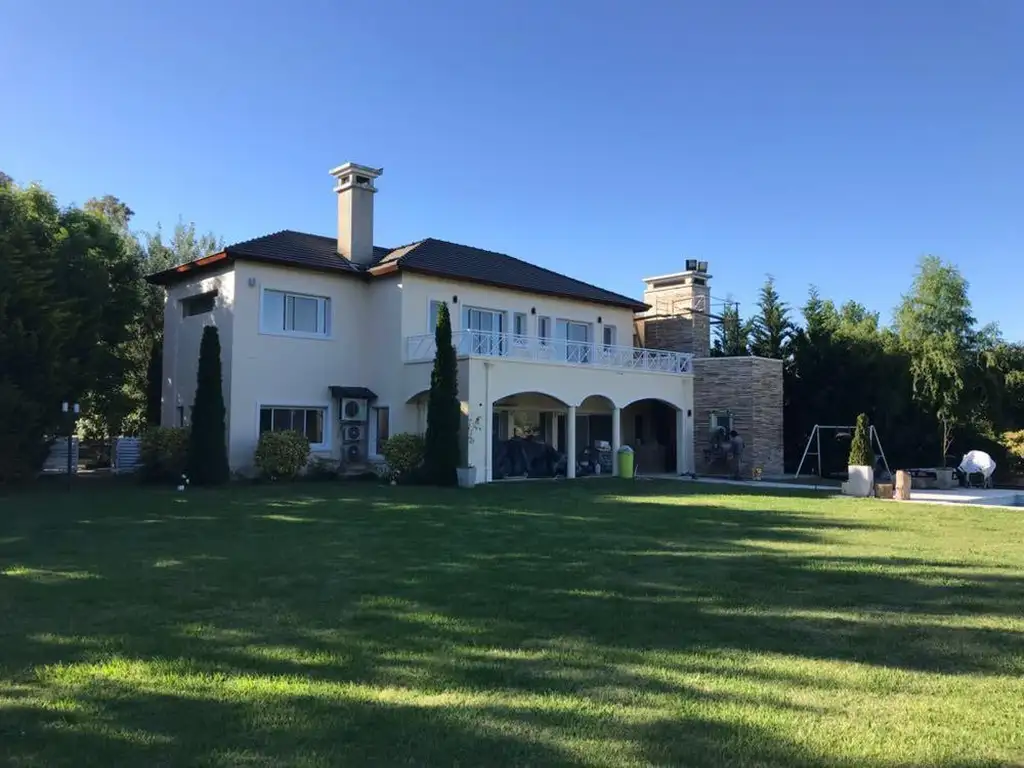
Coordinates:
(333, 336)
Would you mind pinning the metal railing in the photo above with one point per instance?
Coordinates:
(559, 351)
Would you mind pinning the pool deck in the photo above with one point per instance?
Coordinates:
(992, 497)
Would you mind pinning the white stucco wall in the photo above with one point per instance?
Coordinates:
(286, 370)
(181, 341)
(419, 290)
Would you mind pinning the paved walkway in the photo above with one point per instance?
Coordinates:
(999, 497)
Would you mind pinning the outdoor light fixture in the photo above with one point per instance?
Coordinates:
(702, 266)
(455, 299)
(691, 265)
(599, 318)
(533, 310)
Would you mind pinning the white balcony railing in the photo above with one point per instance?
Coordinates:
(559, 351)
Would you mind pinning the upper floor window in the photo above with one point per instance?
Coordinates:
(435, 308)
(609, 335)
(544, 329)
(199, 304)
(519, 324)
(295, 314)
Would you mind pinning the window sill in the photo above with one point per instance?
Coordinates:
(297, 335)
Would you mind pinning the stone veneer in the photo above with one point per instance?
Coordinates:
(751, 389)
(678, 318)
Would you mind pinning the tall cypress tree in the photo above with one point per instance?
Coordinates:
(441, 448)
(154, 373)
(207, 444)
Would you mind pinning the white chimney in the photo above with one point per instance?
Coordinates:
(355, 211)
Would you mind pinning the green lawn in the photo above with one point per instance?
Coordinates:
(589, 623)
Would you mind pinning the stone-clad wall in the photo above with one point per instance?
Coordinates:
(678, 319)
(751, 388)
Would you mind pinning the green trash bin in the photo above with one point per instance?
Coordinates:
(625, 459)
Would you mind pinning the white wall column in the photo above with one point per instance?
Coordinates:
(616, 438)
(682, 451)
(486, 436)
(554, 429)
(570, 443)
(688, 466)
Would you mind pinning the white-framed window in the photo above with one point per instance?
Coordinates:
(577, 336)
(200, 304)
(544, 329)
(295, 314)
(519, 324)
(312, 420)
(380, 429)
(609, 335)
(433, 308)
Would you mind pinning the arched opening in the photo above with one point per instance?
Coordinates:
(528, 436)
(651, 427)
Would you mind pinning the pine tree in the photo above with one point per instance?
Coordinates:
(154, 373)
(861, 454)
(441, 449)
(771, 328)
(732, 335)
(207, 446)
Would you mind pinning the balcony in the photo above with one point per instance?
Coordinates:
(508, 346)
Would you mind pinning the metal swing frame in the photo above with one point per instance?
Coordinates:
(815, 439)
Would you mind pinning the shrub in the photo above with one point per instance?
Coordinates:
(444, 415)
(404, 455)
(861, 454)
(1013, 442)
(207, 450)
(282, 455)
(164, 454)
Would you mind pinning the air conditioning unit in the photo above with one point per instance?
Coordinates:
(353, 409)
(351, 433)
(354, 453)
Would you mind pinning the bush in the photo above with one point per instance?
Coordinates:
(1013, 443)
(207, 450)
(861, 454)
(282, 455)
(404, 455)
(164, 454)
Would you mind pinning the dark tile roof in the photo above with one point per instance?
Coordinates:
(430, 256)
(299, 249)
(464, 262)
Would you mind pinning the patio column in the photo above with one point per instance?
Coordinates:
(570, 443)
(682, 449)
(616, 438)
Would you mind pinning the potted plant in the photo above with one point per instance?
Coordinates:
(467, 472)
(861, 462)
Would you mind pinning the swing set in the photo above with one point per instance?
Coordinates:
(841, 433)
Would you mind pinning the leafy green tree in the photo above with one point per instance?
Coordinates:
(936, 326)
(771, 327)
(66, 304)
(732, 334)
(207, 445)
(154, 383)
(441, 449)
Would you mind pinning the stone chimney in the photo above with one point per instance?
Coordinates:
(355, 211)
(679, 318)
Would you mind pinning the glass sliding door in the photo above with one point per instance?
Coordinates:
(485, 328)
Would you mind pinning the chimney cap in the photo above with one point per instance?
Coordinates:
(353, 174)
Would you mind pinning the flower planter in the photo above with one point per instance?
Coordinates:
(861, 482)
(467, 476)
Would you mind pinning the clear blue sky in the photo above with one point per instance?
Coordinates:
(823, 141)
